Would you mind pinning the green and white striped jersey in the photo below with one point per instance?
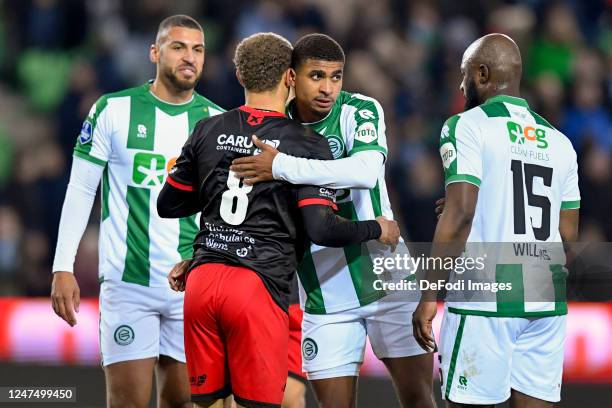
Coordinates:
(527, 172)
(336, 279)
(137, 137)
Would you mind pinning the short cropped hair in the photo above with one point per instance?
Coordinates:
(317, 47)
(178, 20)
(261, 60)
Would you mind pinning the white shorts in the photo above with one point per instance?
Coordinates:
(138, 322)
(333, 344)
(483, 358)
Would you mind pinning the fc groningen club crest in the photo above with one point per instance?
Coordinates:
(124, 335)
(309, 349)
(336, 145)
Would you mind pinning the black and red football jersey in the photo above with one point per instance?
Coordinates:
(259, 227)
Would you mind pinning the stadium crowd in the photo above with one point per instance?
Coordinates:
(57, 57)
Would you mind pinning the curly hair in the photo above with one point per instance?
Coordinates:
(317, 47)
(261, 60)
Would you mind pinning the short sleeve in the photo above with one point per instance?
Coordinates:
(363, 121)
(571, 192)
(95, 139)
(461, 151)
(183, 175)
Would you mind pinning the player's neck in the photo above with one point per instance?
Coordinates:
(508, 91)
(304, 114)
(271, 101)
(169, 94)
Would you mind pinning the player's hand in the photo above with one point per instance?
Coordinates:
(177, 275)
(258, 168)
(440, 202)
(422, 328)
(390, 232)
(65, 296)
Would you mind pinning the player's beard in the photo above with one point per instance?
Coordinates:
(179, 84)
(471, 95)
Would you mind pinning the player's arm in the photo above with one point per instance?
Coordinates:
(80, 195)
(456, 219)
(453, 228)
(176, 201)
(568, 225)
(460, 149)
(179, 197)
(358, 171)
(91, 152)
(325, 228)
(365, 143)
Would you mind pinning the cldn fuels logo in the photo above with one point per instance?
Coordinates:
(522, 135)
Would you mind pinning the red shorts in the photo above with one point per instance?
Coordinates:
(295, 343)
(235, 337)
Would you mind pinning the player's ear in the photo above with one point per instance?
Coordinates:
(292, 75)
(483, 74)
(239, 78)
(154, 53)
(287, 78)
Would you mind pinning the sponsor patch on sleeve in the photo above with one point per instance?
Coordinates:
(448, 154)
(86, 132)
(327, 193)
(366, 133)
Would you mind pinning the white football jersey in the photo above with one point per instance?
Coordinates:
(527, 173)
(338, 279)
(137, 137)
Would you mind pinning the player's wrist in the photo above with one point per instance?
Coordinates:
(375, 229)
(62, 268)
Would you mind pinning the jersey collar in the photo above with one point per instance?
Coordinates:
(261, 113)
(508, 99)
(168, 107)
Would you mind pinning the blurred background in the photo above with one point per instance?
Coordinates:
(58, 56)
